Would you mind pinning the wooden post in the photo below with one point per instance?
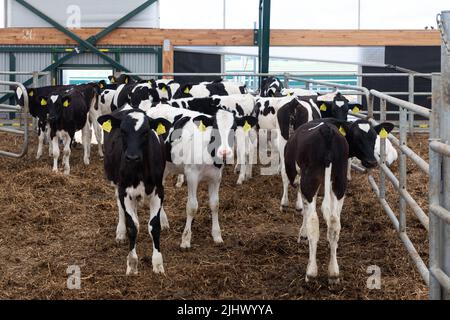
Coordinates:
(167, 58)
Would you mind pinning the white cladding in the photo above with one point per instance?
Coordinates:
(98, 13)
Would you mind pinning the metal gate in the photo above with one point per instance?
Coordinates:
(21, 128)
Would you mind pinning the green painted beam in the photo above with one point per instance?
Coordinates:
(264, 36)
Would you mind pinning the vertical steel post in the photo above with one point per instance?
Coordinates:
(444, 121)
(264, 36)
(402, 168)
(382, 151)
(434, 190)
(411, 99)
(286, 80)
(370, 101)
(35, 85)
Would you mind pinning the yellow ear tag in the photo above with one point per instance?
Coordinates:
(112, 80)
(107, 126)
(186, 90)
(66, 103)
(31, 93)
(126, 80)
(289, 93)
(246, 126)
(164, 90)
(323, 107)
(383, 134)
(355, 109)
(201, 126)
(43, 102)
(342, 131)
(101, 86)
(161, 129)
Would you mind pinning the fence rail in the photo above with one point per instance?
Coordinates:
(24, 121)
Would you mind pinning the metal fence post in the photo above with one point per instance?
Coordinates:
(286, 80)
(411, 99)
(444, 121)
(382, 151)
(402, 168)
(370, 101)
(434, 190)
(35, 85)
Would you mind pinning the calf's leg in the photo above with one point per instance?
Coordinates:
(213, 190)
(312, 231)
(129, 206)
(154, 228)
(55, 149)
(285, 198)
(66, 153)
(121, 230)
(40, 143)
(191, 208)
(86, 138)
(334, 228)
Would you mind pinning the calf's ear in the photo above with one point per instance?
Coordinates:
(43, 101)
(355, 107)
(109, 122)
(246, 121)
(66, 101)
(383, 129)
(112, 79)
(102, 84)
(161, 126)
(202, 122)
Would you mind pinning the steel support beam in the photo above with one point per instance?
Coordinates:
(264, 36)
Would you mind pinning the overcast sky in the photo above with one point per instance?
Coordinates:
(299, 14)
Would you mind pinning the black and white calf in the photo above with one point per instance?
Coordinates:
(319, 152)
(333, 105)
(208, 89)
(198, 146)
(271, 87)
(39, 110)
(68, 113)
(242, 107)
(134, 163)
(289, 117)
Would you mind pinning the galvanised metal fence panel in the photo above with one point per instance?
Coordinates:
(24, 121)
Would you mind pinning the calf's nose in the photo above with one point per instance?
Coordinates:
(131, 157)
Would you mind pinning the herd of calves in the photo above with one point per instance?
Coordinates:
(149, 129)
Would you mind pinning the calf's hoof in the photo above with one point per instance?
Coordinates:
(284, 208)
(164, 224)
(302, 240)
(121, 238)
(185, 245)
(333, 280)
(310, 278)
(157, 262)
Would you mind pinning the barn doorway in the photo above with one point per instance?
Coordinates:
(83, 75)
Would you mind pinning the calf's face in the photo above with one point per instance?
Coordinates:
(56, 104)
(135, 130)
(339, 107)
(361, 137)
